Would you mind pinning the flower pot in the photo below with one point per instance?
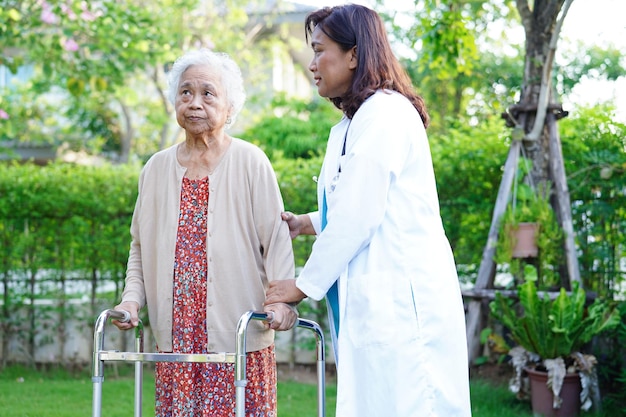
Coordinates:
(525, 238)
(541, 395)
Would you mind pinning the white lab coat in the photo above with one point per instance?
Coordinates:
(401, 347)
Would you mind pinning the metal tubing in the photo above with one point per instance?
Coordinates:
(240, 362)
(97, 366)
(138, 370)
(220, 357)
(321, 363)
(238, 358)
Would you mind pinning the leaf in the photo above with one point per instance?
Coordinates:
(554, 328)
(75, 86)
(14, 15)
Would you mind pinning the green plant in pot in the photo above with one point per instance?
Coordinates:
(550, 334)
(530, 209)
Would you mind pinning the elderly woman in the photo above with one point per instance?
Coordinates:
(207, 238)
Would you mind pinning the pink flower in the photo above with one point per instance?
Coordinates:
(70, 45)
(48, 16)
(88, 16)
(3, 114)
(68, 11)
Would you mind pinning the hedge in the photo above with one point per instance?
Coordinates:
(64, 229)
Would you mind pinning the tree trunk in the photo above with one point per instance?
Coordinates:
(542, 146)
(539, 25)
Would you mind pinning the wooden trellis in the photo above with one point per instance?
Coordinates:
(483, 291)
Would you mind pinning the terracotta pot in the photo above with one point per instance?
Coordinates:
(542, 397)
(525, 236)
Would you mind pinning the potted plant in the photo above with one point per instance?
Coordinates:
(529, 215)
(550, 334)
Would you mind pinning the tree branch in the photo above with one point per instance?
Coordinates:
(525, 14)
(546, 79)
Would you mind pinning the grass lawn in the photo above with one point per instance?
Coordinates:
(56, 393)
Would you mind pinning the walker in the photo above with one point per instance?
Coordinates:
(238, 358)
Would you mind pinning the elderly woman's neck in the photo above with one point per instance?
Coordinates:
(202, 156)
(207, 143)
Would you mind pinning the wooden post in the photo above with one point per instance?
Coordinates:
(487, 270)
(563, 203)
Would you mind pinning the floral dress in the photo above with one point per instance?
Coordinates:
(204, 389)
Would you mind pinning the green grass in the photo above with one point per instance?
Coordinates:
(489, 400)
(57, 393)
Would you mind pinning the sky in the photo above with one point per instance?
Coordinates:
(599, 22)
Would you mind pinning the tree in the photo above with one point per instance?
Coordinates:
(105, 62)
(81, 52)
(465, 57)
(448, 34)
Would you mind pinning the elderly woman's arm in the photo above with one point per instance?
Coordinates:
(276, 243)
(134, 294)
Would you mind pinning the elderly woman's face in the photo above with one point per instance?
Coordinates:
(201, 102)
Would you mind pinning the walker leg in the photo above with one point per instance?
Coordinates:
(97, 375)
(97, 399)
(321, 363)
(138, 388)
(138, 372)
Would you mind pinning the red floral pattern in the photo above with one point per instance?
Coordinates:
(204, 389)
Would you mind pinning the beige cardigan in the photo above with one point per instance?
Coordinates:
(247, 244)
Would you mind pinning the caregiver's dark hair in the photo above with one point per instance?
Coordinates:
(377, 67)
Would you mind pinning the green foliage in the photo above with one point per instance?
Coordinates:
(294, 133)
(68, 41)
(553, 328)
(28, 119)
(594, 151)
(612, 363)
(596, 63)
(468, 168)
(450, 43)
(466, 61)
(103, 64)
(81, 55)
(294, 128)
(465, 66)
(298, 188)
(83, 213)
(60, 224)
(531, 205)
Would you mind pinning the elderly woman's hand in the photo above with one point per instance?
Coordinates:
(133, 309)
(282, 316)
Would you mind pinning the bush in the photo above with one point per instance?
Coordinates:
(293, 128)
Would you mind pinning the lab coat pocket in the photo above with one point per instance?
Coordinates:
(380, 309)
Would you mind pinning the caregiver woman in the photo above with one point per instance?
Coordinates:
(381, 256)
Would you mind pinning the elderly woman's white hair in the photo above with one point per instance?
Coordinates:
(228, 69)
